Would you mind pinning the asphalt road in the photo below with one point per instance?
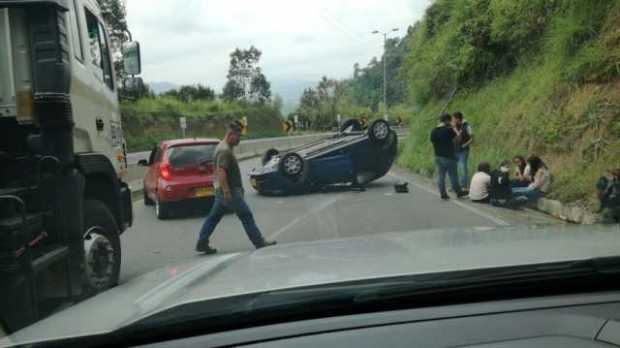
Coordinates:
(152, 243)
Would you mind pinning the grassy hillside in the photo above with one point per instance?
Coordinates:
(533, 77)
(150, 120)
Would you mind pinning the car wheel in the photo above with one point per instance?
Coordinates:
(162, 211)
(102, 248)
(351, 125)
(147, 200)
(269, 155)
(379, 131)
(292, 164)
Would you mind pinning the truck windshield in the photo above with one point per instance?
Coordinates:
(187, 155)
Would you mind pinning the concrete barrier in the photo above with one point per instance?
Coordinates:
(574, 213)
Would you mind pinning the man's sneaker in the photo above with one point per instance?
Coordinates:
(462, 194)
(203, 247)
(445, 197)
(267, 244)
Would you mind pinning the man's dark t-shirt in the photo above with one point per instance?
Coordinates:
(225, 159)
(442, 138)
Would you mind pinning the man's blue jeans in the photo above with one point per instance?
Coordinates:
(532, 195)
(445, 166)
(462, 158)
(238, 205)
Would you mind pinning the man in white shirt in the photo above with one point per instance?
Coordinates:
(480, 182)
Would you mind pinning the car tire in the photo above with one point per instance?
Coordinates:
(162, 211)
(102, 248)
(147, 200)
(354, 124)
(379, 131)
(269, 155)
(292, 165)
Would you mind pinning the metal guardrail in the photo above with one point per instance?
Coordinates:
(256, 146)
(248, 146)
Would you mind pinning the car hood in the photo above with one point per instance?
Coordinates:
(322, 262)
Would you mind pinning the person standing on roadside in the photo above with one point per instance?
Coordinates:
(229, 194)
(444, 138)
(462, 147)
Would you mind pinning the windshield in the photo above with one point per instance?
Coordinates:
(181, 154)
(187, 155)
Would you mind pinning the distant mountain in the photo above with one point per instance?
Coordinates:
(160, 87)
(290, 91)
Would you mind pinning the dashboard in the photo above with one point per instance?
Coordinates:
(582, 320)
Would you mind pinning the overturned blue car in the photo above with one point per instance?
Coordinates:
(353, 156)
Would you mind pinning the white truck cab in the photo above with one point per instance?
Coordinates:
(63, 203)
(93, 89)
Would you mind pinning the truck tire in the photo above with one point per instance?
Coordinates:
(102, 248)
(147, 201)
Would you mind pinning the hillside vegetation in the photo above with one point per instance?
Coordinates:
(533, 77)
(152, 119)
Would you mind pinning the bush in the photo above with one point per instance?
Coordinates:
(150, 120)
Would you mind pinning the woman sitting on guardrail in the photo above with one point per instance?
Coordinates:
(541, 181)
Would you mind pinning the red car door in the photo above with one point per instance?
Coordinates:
(152, 172)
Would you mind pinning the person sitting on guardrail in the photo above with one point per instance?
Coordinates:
(501, 188)
(522, 177)
(540, 184)
(480, 183)
(609, 196)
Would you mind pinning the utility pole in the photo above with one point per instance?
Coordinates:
(385, 37)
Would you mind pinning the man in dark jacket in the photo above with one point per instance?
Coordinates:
(444, 138)
(462, 147)
(609, 196)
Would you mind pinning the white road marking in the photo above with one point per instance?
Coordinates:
(476, 211)
(312, 211)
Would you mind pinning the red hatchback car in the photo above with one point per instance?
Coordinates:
(179, 172)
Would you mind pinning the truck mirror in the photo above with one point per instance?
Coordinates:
(134, 85)
(131, 58)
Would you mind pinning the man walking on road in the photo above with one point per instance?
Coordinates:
(462, 148)
(444, 138)
(229, 194)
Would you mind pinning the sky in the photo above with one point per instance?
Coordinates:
(189, 41)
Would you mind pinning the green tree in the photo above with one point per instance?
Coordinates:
(245, 78)
(190, 93)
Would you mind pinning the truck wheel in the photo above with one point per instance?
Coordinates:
(162, 211)
(292, 165)
(102, 248)
(269, 155)
(379, 131)
(147, 201)
(351, 125)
